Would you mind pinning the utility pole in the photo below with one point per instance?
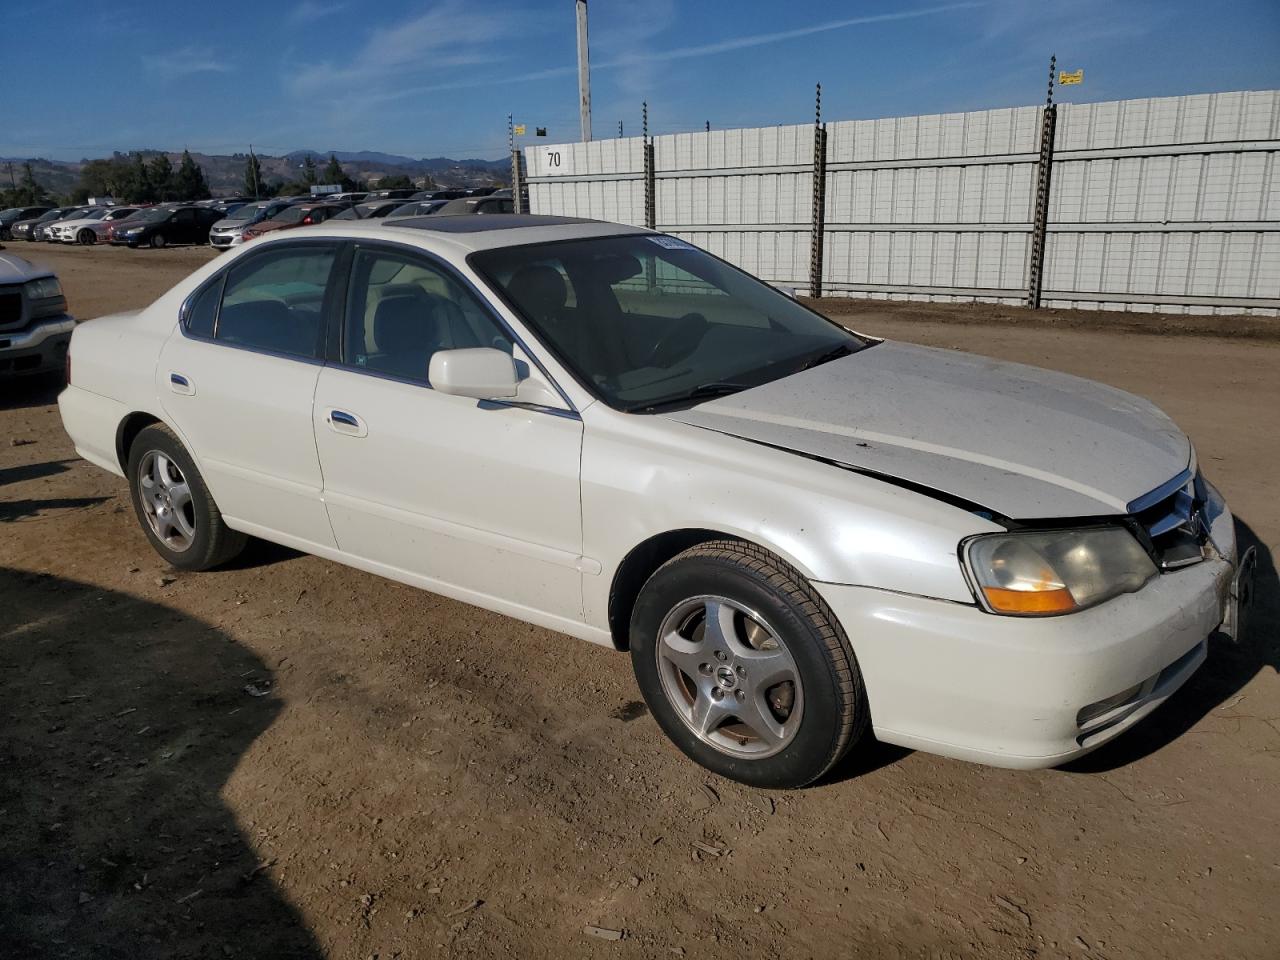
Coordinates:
(14, 186)
(253, 165)
(619, 137)
(584, 71)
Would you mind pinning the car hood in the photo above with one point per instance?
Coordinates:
(230, 223)
(15, 269)
(1017, 440)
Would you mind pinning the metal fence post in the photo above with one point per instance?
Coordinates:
(1044, 176)
(819, 199)
(650, 181)
(517, 182)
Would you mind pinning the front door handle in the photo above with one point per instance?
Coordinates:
(181, 384)
(348, 424)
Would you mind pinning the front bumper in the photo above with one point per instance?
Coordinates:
(225, 241)
(40, 348)
(948, 678)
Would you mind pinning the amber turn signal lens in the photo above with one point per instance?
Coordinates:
(1057, 600)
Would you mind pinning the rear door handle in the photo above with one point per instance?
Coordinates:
(180, 384)
(345, 423)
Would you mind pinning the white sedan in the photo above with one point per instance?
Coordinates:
(802, 535)
(90, 228)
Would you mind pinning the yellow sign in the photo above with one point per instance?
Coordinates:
(1066, 79)
(518, 129)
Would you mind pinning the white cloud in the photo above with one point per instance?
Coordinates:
(308, 11)
(760, 39)
(185, 62)
(643, 57)
(449, 35)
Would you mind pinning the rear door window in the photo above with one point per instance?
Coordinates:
(275, 301)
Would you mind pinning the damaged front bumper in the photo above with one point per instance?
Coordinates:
(950, 679)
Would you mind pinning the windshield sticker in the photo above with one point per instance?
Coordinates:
(671, 243)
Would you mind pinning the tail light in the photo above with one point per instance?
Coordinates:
(307, 220)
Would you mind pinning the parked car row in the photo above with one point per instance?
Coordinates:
(230, 221)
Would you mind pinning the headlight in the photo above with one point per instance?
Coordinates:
(1056, 571)
(44, 288)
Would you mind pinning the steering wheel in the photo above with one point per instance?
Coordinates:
(680, 341)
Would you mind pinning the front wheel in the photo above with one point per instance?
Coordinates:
(173, 505)
(87, 238)
(158, 240)
(744, 666)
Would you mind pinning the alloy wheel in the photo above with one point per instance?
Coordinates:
(166, 501)
(730, 677)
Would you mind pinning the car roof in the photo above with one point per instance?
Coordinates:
(467, 234)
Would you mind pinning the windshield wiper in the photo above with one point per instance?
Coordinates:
(834, 354)
(703, 391)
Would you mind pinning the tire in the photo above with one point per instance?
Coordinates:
(158, 241)
(86, 238)
(776, 630)
(179, 516)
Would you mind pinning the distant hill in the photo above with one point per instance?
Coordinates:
(225, 173)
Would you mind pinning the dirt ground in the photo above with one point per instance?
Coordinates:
(287, 758)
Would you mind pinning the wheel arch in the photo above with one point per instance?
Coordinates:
(127, 432)
(639, 564)
(644, 559)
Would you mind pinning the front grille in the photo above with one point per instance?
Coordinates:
(1174, 522)
(10, 308)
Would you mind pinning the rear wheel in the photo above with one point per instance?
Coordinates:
(173, 505)
(87, 237)
(158, 240)
(744, 666)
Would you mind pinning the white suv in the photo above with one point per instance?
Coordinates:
(35, 328)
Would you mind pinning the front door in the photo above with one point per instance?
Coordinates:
(238, 378)
(452, 492)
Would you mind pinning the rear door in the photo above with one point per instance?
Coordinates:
(238, 377)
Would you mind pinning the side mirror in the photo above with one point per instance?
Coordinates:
(483, 373)
(788, 291)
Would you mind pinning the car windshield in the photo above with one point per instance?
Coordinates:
(154, 215)
(97, 214)
(649, 322)
(50, 215)
(247, 212)
(291, 215)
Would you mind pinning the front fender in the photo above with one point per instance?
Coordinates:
(643, 476)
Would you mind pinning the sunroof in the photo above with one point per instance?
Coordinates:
(479, 222)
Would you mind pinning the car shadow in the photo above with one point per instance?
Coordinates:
(867, 757)
(122, 721)
(39, 390)
(14, 511)
(261, 553)
(33, 471)
(1229, 667)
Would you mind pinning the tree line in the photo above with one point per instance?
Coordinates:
(128, 178)
(141, 177)
(311, 174)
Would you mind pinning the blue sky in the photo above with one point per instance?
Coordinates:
(438, 77)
